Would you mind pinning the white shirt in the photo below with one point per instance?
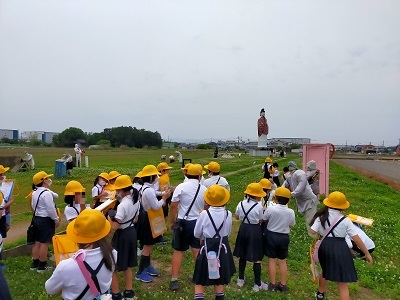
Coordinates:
(279, 218)
(369, 244)
(126, 210)
(344, 228)
(46, 206)
(68, 277)
(184, 194)
(204, 226)
(72, 212)
(255, 215)
(149, 199)
(216, 178)
(97, 190)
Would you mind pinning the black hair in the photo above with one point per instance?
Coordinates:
(149, 179)
(34, 186)
(215, 173)
(135, 195)
(192, 176)
(282, 200)
(106, 250)
(323, 215)
(137, 180)
(96, 181)
(285, 169)
(275, 165)
(69, 199)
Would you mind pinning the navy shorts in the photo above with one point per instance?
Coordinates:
(188, 238)
(44, 228)
(277, 245)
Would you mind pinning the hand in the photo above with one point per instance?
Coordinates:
(368, 258)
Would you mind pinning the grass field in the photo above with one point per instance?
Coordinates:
(367, 197)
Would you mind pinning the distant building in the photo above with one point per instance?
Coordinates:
(11, 134)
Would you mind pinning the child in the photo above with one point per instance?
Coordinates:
(125, 237)
(369, 244)
(280, 218)
(312, 174)
(213, 227)
(267, 188)
(5, 220)
(73, 197)
(248, 246)
(98, 192)
(89, 230)
(112, 176)
(148, 201)
(334, 255)
(275, 176)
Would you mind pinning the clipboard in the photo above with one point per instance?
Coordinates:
(63, 247)
(313, 266)
(108, 204)
(7, 188)
(157, 222)
(361, 220)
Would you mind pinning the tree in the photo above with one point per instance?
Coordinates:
(68, 137)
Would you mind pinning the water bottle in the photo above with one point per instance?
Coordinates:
(213, 265)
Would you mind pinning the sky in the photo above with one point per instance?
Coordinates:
(202, 70)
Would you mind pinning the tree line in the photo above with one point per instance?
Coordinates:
(114, 137)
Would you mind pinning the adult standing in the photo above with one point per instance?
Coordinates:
(263, 130)
(312, 173)
(186, 204)
(306, 200)
(45, 219)
(78, 155)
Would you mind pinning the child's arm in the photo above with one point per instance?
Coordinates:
(362, 247)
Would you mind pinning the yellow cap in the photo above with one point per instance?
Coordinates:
(268, 159)
(104, 175)
(90, 226)
(216, 195)
(283, 192)
(213, 167)
(337, 200)
(73, 187)
(149, 170)
(39, 177)
(113, 174)
(122, 181)
(265, 183)
(255, 189)
(195, 170)
(3, 169)
(163, 166)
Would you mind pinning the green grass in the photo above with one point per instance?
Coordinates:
(367, 197)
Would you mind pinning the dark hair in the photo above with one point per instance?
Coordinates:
(135, 195)
(285, 169)
(192, 176)
(69, 199)
(322, 214)
(149, 178)
(137, 180)
(106, 250)
(96, 181)
(275, 165)
(34, 186)
(282, 200)
(215, 173)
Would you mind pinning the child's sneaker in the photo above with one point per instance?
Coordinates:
(319, 296)
(283, 288)
(144, 277)
(42, 269)
(34, 265)
(263, 286)
(151, 271)
(272, 287)
(117, 296)
(129, 295)
(240, 282)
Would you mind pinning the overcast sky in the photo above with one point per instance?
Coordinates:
(202, 70)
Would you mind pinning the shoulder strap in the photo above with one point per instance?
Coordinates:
(37, 202)
(191, 204)
(247, 213)
(219, 177)
(339, 219)
(217, 230)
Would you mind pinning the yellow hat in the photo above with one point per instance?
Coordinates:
(73, 187)
(195, 169)
(113, 174)
(39, 177)
(139, 174)
(163, 166)
(283, 192)
(90, 226)
(337, 200)
(268, 159)
(216, 195)
(3, 169)
(265, 183)
(104, 175)
(255, 189)
(149, 170)
(213, 167)
(122, 181)
(186, 166)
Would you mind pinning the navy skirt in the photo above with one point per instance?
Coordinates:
(125, 242)
(227, 266)
(336, 260)
(249, 243)
(144, 230)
